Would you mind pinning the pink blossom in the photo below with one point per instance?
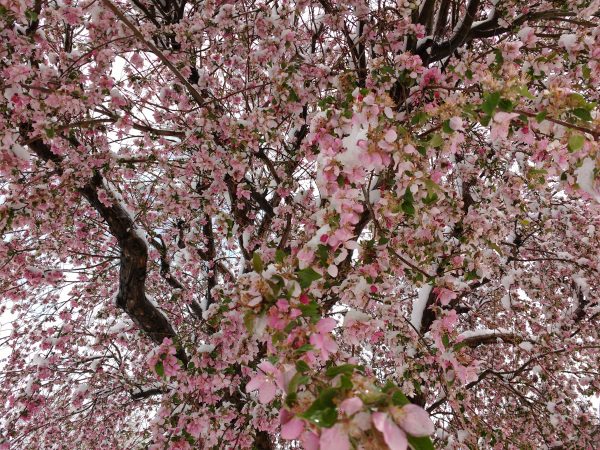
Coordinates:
(413, 419)
(305, 257)
(500, 124)
(265, 381)
(456, 123)
(292, 428)
(351, 406)
(334, 438)
(310, 441)
(322, 340)
(445, 295)
(394, 437)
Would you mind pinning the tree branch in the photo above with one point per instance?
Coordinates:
(134, 255)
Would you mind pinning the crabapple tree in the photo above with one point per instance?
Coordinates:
(335, 225)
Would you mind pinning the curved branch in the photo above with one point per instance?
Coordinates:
(134, 255)
(482, 337)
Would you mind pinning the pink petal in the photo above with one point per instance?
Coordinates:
(415, 421)
(267, 367)
(330, 345)
(310, 441)
(284, 378)
(391, 135)
(326, 325)
(332, 270)
(255, 382)
(267, 392)
(292, 429)
(334, 439)
(316, 340)
(394, 437)
(351, 405)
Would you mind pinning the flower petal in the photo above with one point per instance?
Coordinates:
(255, 382)
(267, 392)
(414, 420)
(394, 437)
(326, 325)
(334, 439)
(292, 429)
(310, 441)
(267, 367)
(351, 405)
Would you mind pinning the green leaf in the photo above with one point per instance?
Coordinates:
(303, 349)
(576, 141)
(539, 117)
(290, 326)
(407, 205)
(472, 275)
(506, 105)
(419, 118)
(307, 276)
(159, 369)
(323, 254)
(344, 368)
(280, 256)
(420, 443)
(446, 127)
(436, 140)
(586, 72)
(292, 95)
(458, 346)
(249, 321)
(301, 366)
(399, 399)
(346, 382)
(257, 263)
(431, 198)
(323, 412)
(490, 103)
(297, 380)
(525, 92)
(576, 99)
(31, 15)
(446, 340)
(310, 310)
(291, 399)
(583, 114)
(499, 57)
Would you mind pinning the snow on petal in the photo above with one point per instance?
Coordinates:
(20, 152)
(332, 270)
(568, 41)
(353, 316)
(456, 123)
(390, 136)
(585, 178)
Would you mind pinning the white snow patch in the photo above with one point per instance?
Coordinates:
(585, 178)
(419, 306)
